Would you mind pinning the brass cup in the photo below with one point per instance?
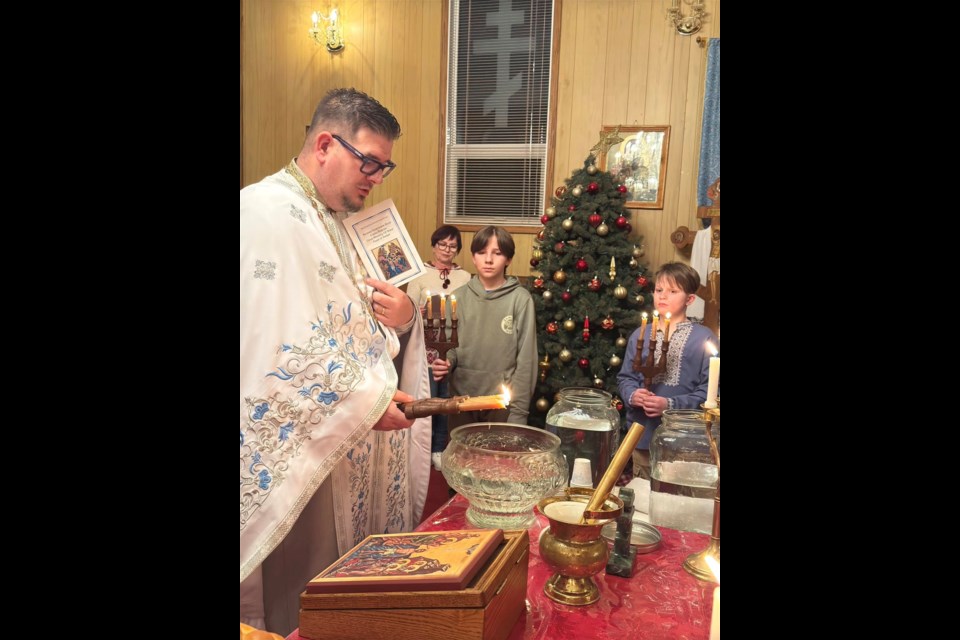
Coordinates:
(576, 551)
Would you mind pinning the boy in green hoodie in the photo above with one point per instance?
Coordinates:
(497, 333)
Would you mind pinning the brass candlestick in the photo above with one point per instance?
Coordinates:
(696, 563)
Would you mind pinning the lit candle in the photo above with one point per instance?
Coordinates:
(443, 306)
(640, 340)
(479, 403)
(453, 306)
(653, 329)
(666, 326)
(315, 19)
(714, 380)
(715, 616)
(429, 305)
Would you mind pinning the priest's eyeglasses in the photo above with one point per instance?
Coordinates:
(369, 166)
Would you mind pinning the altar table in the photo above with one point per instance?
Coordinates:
(660, 602)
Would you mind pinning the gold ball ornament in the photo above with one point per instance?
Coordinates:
(592, 169)
(639, 299)
(547, 295)
(598, 383)
(615, 360)
(603, 229)
(569, 324)
(633, 263)
(542, 405)
(537, 254)
(567, 224)
(560, 277)
(551, 212)
(638, 252)
(565, 355)
(577, 191)
(621, 342)
(620, 292)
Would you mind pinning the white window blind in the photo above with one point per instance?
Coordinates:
(498, 111)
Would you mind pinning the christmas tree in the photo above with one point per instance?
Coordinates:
(592, 286)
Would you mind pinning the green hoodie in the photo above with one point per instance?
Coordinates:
(498, 344)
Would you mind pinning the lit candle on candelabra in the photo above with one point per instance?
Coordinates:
(429, 304)
(666, 326)
(713, 380)
(643, 327)
(453, 307)
(653, 329)
(443, 307)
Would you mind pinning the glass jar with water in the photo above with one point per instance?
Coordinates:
(683, 472)
(588, 426)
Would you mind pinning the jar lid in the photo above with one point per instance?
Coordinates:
(644, 537)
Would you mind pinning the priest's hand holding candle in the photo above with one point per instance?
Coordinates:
(713, 380)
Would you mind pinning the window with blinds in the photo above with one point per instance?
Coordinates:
(498, 111)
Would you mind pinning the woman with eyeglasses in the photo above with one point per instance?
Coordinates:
(442, 277)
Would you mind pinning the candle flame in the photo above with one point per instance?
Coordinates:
(714, 566)
(656, 314)
(505, 395)
(644, 315)
(668, 315)
(712, 349)
(453, 298)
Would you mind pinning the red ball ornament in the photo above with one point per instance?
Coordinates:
(560, 191)
(593, 187)
(566, 296)
(619, 406)
(586, 335)
(552, 327)
(595, 220)
(607, 323)
(583, 363)
(622, 222)
(594, 284)
(540, 234)
(559, 247)
(544, 219)
(572, 208)
(582, 265)
(622, 189)
(538, 283)
(642, 281)
(534, 262)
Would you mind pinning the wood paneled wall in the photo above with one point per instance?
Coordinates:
(620, 62)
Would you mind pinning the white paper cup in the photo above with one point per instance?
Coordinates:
(582, 475)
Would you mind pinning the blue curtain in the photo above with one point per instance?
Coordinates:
(710, 135)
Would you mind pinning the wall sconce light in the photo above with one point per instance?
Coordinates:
(332, 35)
(689, 25)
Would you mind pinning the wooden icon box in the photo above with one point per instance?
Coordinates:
(486, 609)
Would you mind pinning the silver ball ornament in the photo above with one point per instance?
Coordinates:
(577, 191)
(621, 342)
(615, 361)
(592, 169)
(547, 295)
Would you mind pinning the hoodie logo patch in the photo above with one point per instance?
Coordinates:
(506, 325)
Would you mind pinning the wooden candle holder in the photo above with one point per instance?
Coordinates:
(435, 329)
(649, 369)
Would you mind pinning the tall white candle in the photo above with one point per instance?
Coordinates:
(715, 617)
(714, 380)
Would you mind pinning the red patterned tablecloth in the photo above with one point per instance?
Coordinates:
(660, 602)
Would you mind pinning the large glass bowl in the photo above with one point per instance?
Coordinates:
(503, 470)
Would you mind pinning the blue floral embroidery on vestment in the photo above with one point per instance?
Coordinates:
(264, 479)
(326, 367)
